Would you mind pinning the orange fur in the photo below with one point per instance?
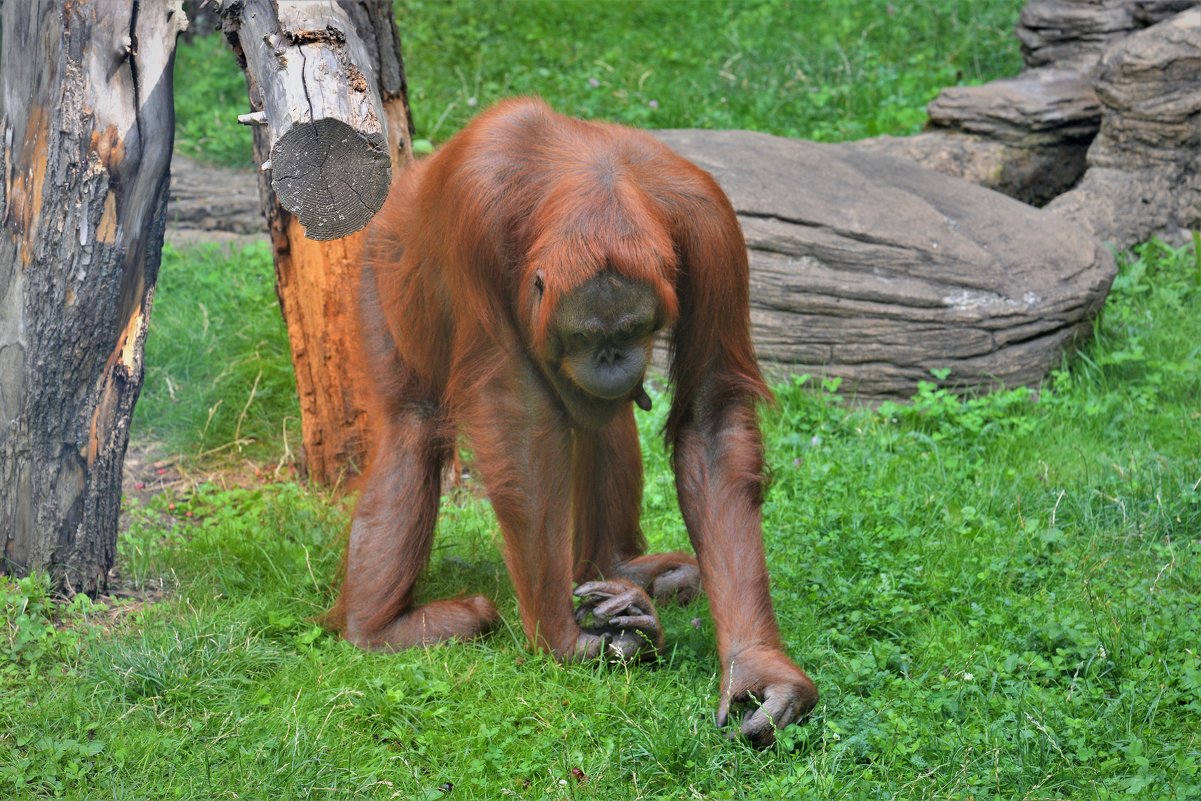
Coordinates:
(455, 337)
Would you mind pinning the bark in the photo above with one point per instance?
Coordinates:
(343, 58)
(87, 125)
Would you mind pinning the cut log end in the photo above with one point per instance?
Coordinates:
(330, 176)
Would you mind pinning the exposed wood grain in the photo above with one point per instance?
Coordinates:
(316, 275)
(314, 80)
(87, 123)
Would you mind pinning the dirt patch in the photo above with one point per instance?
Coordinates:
(149, 471)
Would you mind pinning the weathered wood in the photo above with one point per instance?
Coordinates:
(326, 131)
(875, 270)
(87, 125)
(315, 279)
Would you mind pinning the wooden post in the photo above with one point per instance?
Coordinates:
(87, 124)
(330, 110)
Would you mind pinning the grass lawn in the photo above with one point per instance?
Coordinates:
(998, 596)
(821, 69)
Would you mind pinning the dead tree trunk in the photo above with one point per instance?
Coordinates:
(330, 108)
(87, 124)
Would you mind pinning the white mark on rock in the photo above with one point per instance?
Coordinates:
(968, 299)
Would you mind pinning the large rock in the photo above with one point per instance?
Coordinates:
(1149, 12)
(862, 266)
(1037, 107)
(1072, 34)
(1144, 173)
(1026, 136)
(877, 270)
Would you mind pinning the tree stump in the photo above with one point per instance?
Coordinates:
(877, 271)
(87, 124)
(325, 130)
(315, 73)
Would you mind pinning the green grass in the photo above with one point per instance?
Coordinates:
(996, 595)
(210, 93)
(218, 367)
(809, 68)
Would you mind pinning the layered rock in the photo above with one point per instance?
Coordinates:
(1144, 168)
(1072, 34)
(209, 198)
(1026, 137)
(876, 270)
